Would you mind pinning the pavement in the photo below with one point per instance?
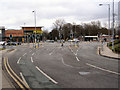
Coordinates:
(4, 80)
(108, 53)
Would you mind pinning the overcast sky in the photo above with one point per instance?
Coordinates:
(15, 13)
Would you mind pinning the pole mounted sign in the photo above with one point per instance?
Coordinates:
(37, 31)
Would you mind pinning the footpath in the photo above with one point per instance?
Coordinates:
(5, 82)
(106, 52)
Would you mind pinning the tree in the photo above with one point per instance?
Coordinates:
(66, 30)
(58, 25)
(55, 34)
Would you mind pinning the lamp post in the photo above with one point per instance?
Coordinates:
(108, 18)
(113, 27)
(35, 25)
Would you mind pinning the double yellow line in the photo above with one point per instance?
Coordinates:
(14, 76)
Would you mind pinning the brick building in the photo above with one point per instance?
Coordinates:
(29, 33)
(17, 35)
(24, 35)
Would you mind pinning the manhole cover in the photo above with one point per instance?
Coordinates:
(84, 73)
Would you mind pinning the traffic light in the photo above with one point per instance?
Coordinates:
(10, 36)
(33, 35)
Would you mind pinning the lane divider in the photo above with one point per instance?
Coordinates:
(33, 54)
(102, 69)
(24, 79)
(46, 75)
(14, 76)
(18, 60)
(24, 54)
(31, 59)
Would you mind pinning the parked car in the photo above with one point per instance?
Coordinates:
(12, 43)
(18, 43)
(2, 42)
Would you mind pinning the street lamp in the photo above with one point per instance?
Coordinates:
(108, 18)
(113, 27)
(35, 25)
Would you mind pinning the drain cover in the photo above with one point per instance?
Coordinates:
(84, 73)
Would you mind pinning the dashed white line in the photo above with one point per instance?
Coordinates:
(102, 69)
(77, 59)
(46, 75)
(52, 52)
(18, 60)
(33, 53)
(24, 79)
(24, 54)
(31, 59)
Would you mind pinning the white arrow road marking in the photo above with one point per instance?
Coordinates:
(102, 69)
(46, 75)
(18, 60)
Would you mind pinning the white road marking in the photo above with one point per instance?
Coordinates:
(52, 52)
(77, 59)
(102, 69)
(46, 75)
(24, 54)
(24, 79)
(33, 53)
(66, 64)
(18, 60)
(31, 59)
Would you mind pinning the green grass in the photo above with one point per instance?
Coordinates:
(2, 48)
(116, 46)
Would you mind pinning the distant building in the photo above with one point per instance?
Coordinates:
(29, 33)
(17, 35)
(2, 33)
(26, 34)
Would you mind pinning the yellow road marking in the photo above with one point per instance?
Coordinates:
(12, 75)
(16, 75)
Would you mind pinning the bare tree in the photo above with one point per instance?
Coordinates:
(58, 25)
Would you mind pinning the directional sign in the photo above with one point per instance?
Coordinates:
(37, 31)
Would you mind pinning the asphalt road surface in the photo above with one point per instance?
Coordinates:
(53, 66)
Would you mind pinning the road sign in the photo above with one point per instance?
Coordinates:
(38, 31)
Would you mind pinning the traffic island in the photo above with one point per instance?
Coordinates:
(106, 52)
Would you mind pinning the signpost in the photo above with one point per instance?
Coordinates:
(38, 31)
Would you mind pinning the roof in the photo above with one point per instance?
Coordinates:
(32, 26)
(2, 27)
(91, 36)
